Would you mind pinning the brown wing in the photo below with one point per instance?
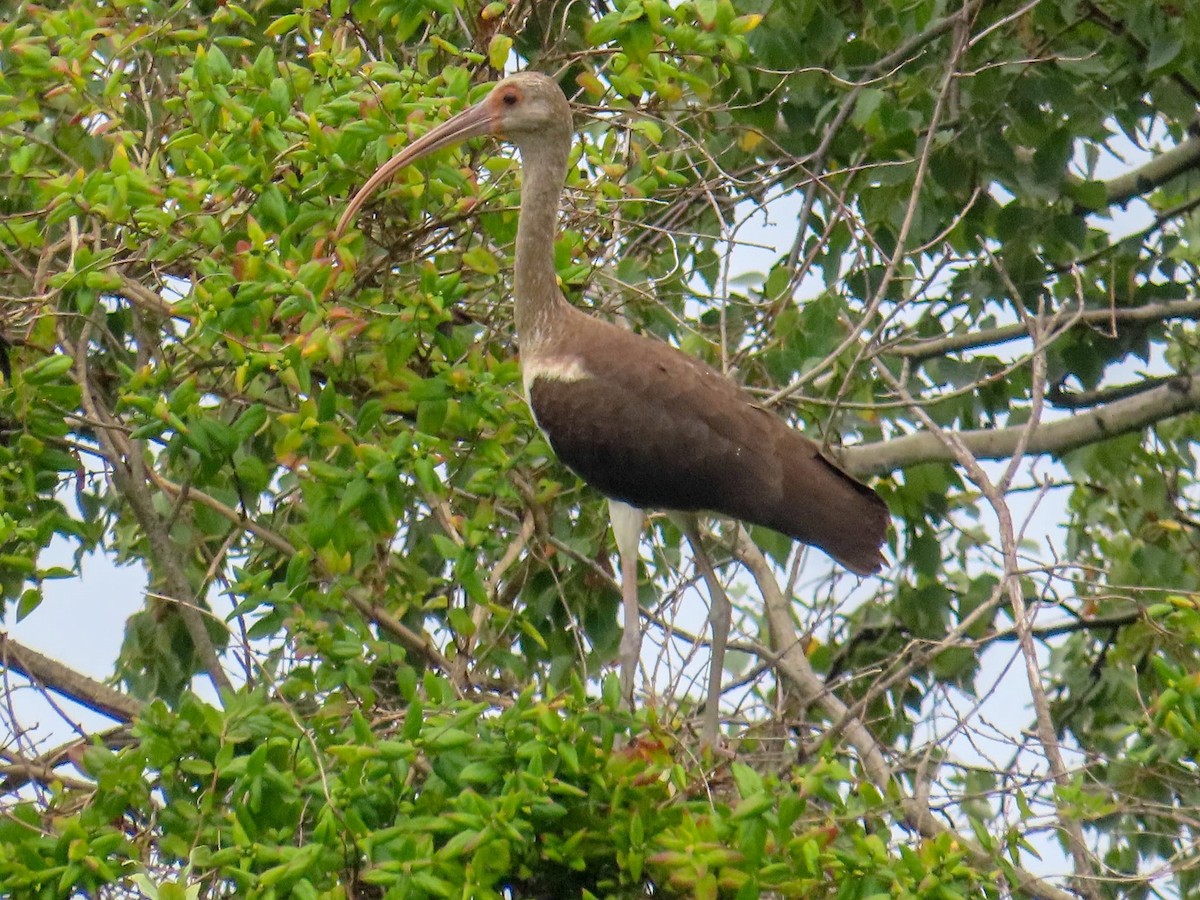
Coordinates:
(656, 428)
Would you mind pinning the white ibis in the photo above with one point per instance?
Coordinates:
(647, 425)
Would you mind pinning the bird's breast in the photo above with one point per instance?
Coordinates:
(563, 369)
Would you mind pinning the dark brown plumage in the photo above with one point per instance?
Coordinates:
(658, 429)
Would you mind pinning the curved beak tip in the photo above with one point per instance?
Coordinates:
(474, 121)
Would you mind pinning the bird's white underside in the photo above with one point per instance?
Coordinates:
(563, 368)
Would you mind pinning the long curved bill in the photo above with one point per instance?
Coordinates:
(473, 121)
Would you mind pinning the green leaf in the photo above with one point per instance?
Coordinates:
(604, 30)
(1163, 51)
(47, 369)
(499, 48)
(431, 415)
(283, 24)
(481, 260)
(440, 739)
(355, 494)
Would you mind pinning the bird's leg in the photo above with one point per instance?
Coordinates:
(720, 611)
(631, 638)
(627, 529)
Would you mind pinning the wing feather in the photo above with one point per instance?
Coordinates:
(656, 428)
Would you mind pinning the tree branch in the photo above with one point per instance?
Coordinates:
(417, 643)
(62, 679)
(920, 350)
(1159, 170)
(1045, 632)
(1118, 27)
(794, 666)
(994, 494)
(20, 771)
(1064, 399)
(1180, 394)
(31, 770)
(140, 295)
(1180, 209)
(187, 492)
(128, 471)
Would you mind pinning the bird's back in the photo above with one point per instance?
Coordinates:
(649, 425)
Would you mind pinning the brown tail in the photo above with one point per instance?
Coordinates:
(825, 507)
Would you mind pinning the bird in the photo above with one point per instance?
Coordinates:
(646, 424)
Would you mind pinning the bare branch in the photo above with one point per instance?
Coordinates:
(413, 641)
(794, 666)
(1152, 312)
(187, 492)
(1046, 733)
(128, 471)
(20, 771)
(1045, 632)
(1180, 394)
(62, 679)
(113, 739)
(1145, 178)
(1064, 399)
(140, 295)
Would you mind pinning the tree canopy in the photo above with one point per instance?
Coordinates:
(374, 658)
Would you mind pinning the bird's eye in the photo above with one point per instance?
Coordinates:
(509, 99)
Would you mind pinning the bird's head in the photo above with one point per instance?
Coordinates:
(528, 105)
(528, 108)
